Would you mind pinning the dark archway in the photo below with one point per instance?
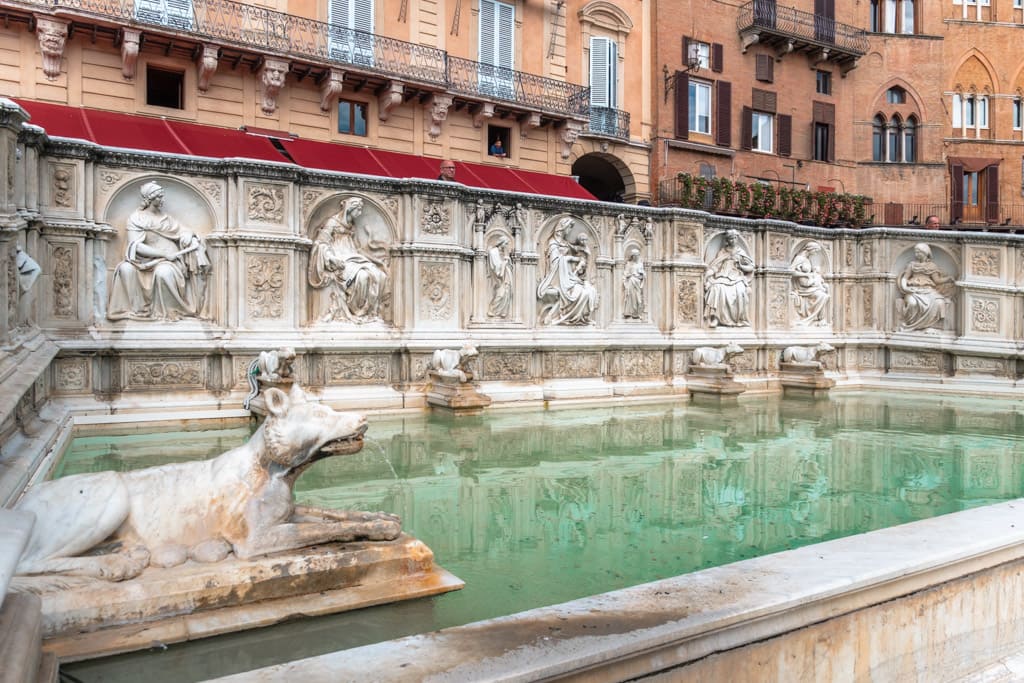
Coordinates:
(602, 176)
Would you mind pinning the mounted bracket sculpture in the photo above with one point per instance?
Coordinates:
(391, 97)
(272, 76)
(207, 65)
(330, 87)
(439, 105)
(53, 35)
(130, 42)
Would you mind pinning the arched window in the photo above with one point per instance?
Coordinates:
(910, 140)
(878, 138)
(892, 140)
(896, 95)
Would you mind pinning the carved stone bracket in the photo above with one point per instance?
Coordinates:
(569, 132)
(749, 38)
(819, 56)
(439, 105)
(331, 87)
(272, 77)
(533, 121)
(486, 111)
(784, 50)
(130, 39)
(207, 65)
(390, 98)
(52, 34)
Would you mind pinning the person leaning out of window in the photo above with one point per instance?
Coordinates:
(497, 149)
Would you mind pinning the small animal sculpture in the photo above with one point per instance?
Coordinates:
(112, 525)
(452, 363)
(270, 366)
(806, 355)
(712, 357)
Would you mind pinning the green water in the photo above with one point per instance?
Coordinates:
(536, 508)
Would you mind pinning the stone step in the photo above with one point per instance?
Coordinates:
(21, 638)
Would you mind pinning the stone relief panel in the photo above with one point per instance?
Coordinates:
(240, 370)
(867, 305)
(924, 291)
(356, 369)
(437, 300)
(165, 271)
(981, 365)
(500, 276)
(435, 217)
(265, 202)
(867, 254)
(727, 281)
(633, 282)
(265, 285)
(688, 238)
(211, 189)
(745, 362)
(777, 247)
(64, 259)
(349, 261)
(917, 360)
(638, 363)
(71, 375)
(559, 364)
(505, 366)
(810, 293)
(310, 198)
(848, 255)
(687, 301)
(109, 180)
(420, 367)
(62, 186)
(777, 303)
(161, 374)
(985, 262)
(566, 293)
(984, 316)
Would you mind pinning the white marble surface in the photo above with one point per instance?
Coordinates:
(668, 623)
(15, 528)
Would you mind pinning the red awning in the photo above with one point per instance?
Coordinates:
(147, 133)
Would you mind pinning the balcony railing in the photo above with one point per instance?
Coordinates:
(607, 121)
(787, 22)
(260, 29)
(952, 215)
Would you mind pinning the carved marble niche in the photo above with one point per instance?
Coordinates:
(349, 272)
(925, 289)
(567, 292)
(159, 267)
(728, 281)
(810, 293)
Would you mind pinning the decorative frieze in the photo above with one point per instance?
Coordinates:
(560, 364)
(71, 375)
(63, 258)
(505, 366)
(159, 374)
(265, 203)
(980, 364)
(984, 316)
(265, 278)
(638, 363)
(356, 369)
(917, 360)
(436, 290)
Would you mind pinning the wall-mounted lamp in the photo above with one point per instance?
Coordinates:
(692, 66)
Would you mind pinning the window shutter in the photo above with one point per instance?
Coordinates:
(599, 72)
(764, 68)
(831, 144)
(682, 89)
(763, 100)
(362, 15)
(785, 135)
(992, 194)
(956, 203)
(717, 57)
(505, 28)
(723, 113)
(179, 13)
(823, 112)
(487, 11)
(746, 128)
(686, 49)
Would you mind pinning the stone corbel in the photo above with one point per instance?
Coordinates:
(569, 131)
(272, 77)
(486, 111)
(390, 98)
(819, 56)
(748, 38)
(534, 120)
(130, 40)
(439, 105)
(207, 65)
(783, 50)
(331, 87)
(52, 34)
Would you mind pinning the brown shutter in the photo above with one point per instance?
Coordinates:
(956, 200)
(764, 68)
(717, 57)
(763, 100)
(686, 49)
(785, 135)
(823, 112)
(682, 106)
(746, 128)
(723, 113)
(992, 194)
(831, 144)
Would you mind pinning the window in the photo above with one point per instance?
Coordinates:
(823, 144)
(351, 117)
(1018, 114)
(969, 112)
(761, 132)
(165, 88)
(350, 34)
(894, 140)
(700, 107)
(824, 83)
(822, 134)
(498, 141)
(878, 138)
(896, 95)
(703, 52)
(910, 140)
(893, 16)
(497, 27)
(173, 13)
(603, 86)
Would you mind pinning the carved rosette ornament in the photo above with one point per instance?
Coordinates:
(272, 74)
(439, 105)
(52, 35)
(266, 203)
(147, 374)
(985, 315)
(435, 218)
(265, 286)
(207, 66)
(436, 290)
(130, 41)
(71, 374)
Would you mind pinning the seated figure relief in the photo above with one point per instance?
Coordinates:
(350, 269)
(567, 295)
(727, 284)
(165, 270)
(810, 293)
(924, 292)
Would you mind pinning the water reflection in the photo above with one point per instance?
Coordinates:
(536, 508)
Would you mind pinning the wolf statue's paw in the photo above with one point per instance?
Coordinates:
(120, 567)
(383, 529)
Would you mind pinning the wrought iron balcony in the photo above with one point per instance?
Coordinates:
(608, 121)
(260, 30)
(792, 30)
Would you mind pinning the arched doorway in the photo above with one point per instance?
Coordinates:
(605, 177)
